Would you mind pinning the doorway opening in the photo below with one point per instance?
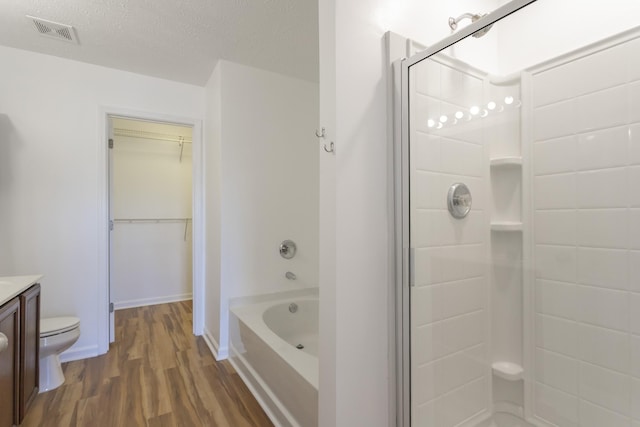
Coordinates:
(153, 214)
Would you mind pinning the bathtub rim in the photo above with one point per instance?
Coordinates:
(305, 364)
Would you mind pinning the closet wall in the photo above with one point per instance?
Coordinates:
(151, 199)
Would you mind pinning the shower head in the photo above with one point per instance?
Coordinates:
(453, 23)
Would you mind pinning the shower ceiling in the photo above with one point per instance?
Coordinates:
(173, 40)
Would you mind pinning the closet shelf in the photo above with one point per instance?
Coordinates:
(504, 162)
(507, 370)
(506, 226)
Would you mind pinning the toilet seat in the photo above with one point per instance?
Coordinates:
(57, 325)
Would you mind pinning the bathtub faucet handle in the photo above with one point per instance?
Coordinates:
(289, 275)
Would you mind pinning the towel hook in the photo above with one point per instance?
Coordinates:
(322, 134)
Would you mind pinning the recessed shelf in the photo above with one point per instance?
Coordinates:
(507, 370)
(504, 162)
(506, 226)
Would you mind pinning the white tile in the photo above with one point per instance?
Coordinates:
(604, 307)
(601, 70)
(633, 65)
(555, 263)
(423, 306)
(427, 75)
(603, 148)
(555, 84)
(555, 156)
(634, 271)
(606, 268)
(605, 188)
(597, 416)
(554, 121)
(558, 371)
(457, 298)
(455, 407)
(606, 108)
(423, 344)
(634, 144)
(555, 227)
(603, 228)
(446, 264)
(423, 387)
(556, 299)
(634, 179)
(462, 158)
(459, 87)
(555, 406)
(634, 228)
(635, 355)
(426, 192)
(604, 347)
(634, 303)
(555, 191)
(425, 228)
(424, 108)
(635, 398)
(459, 369)
(557, 335)
(423, 415)
(425, 152)
(634, 102)
(605, 388)
(461, 332)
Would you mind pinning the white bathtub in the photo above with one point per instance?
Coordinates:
(283, 378)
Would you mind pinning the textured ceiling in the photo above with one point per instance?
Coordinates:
(173, 39)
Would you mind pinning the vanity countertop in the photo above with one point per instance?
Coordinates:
(12, 286)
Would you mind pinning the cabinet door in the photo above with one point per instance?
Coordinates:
(9, 362)
(29, 348)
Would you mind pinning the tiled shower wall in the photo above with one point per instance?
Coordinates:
(449, 309)
(586, 198)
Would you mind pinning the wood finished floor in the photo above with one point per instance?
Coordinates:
(155, 374)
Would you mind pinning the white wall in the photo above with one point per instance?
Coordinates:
(49, 169)
(269, 182)
(548, 28)
(151, 263)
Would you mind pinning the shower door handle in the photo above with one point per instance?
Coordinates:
(412, 267)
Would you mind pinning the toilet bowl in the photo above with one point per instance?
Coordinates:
(56, 335)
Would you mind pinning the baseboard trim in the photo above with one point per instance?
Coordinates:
(79, 353)
(218, 353)
(142, 302)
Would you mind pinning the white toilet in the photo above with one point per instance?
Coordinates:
(56, 335)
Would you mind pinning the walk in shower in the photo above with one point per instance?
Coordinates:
(519, 160)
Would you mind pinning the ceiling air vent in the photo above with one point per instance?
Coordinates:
(54, 30)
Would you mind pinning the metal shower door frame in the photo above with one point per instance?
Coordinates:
(403, 249)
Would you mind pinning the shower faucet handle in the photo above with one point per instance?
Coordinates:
(288, 249)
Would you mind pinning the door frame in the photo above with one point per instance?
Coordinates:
(403, 250)
(197, 201)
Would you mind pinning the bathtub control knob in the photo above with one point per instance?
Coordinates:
(293, 307)
(287, 249)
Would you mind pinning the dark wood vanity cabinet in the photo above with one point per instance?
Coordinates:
(19, 355)
(29, 348)
(9, 362)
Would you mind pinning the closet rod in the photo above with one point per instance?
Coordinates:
(150, 135)
(134, 220)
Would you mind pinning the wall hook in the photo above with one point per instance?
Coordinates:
(331, 148)
(321, 134)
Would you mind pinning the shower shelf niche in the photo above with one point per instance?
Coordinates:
(507, 370)
(506, 226)
(504, 162)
